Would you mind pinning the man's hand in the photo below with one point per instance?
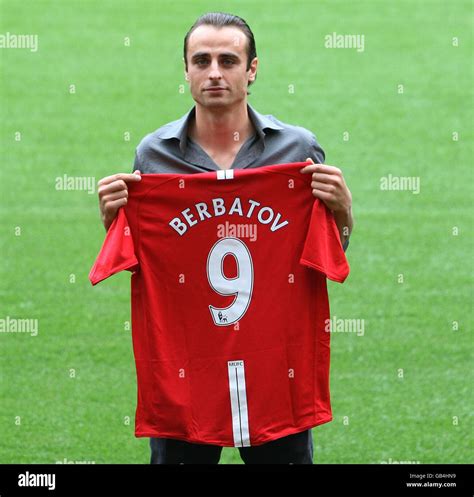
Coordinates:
(113, 194)
(328, 185)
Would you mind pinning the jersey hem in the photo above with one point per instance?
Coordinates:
(123, 267)
(221, 444)
(332, 276)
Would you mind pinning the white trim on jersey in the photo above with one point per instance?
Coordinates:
(238, 402)
(225, 174)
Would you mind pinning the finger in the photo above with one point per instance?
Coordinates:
(327, 169)
(312, 168)
(114, 196)
(112, 187)
(324, 196)
(325, 187)
(323, 168)
(119, 176)
(307, 169)
(331, 179)
(116, 204)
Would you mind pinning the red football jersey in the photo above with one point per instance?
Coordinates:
(229, 302)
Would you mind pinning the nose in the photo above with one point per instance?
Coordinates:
(214, 72)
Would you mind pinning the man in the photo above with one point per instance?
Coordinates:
(221, 132)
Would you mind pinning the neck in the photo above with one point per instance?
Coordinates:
(221, 128)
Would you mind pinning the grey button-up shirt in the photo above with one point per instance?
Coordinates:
(170, 150)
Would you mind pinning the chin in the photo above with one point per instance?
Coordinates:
(212, 101)
(216, 105)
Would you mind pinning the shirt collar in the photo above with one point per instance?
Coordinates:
(178, 129)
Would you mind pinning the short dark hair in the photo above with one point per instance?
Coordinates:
(220, 20)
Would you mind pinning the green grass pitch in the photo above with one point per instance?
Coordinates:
(402, 106)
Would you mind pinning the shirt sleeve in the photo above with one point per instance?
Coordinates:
(137, 163)
(322, 248)
(315, 151)
(117, 252)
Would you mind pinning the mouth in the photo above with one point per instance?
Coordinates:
(215, 89)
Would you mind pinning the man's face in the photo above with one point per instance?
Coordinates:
(217, 62)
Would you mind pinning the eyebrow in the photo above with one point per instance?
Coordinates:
(206, 54)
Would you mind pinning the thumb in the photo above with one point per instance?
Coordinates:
(137, 172)
(310, 160)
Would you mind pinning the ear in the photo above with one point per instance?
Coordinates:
(185, 70)
(253, 69)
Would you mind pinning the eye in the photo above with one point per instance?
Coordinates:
(228, 62)
(201, 62)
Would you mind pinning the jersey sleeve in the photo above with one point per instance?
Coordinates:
(322, 248)
(117, 252)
